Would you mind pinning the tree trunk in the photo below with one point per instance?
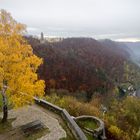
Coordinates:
(5, 108)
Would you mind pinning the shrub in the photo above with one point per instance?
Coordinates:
(73, 106)
(138, 135)
(114, 130)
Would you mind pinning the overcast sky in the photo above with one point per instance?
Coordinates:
(114, 19)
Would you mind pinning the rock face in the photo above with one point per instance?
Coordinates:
(31, 113)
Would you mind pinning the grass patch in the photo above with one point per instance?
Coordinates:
(91, 124)
(67, 130)
(37, 134)
(89, 137)
(7, 126)
(67, 138)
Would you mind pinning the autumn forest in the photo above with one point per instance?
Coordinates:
(86, 76)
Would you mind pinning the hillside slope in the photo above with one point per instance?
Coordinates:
(80, 64)
(135, 51)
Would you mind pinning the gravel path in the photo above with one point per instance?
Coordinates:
(31, 113)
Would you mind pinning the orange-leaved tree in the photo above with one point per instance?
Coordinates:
(18, 65)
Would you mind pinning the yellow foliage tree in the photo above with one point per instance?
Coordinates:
(18, 65)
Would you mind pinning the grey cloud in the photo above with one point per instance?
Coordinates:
(113, 19)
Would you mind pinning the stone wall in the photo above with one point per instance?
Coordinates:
(100, 131)
(76, 130)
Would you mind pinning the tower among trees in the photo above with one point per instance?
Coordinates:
(42, 38)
